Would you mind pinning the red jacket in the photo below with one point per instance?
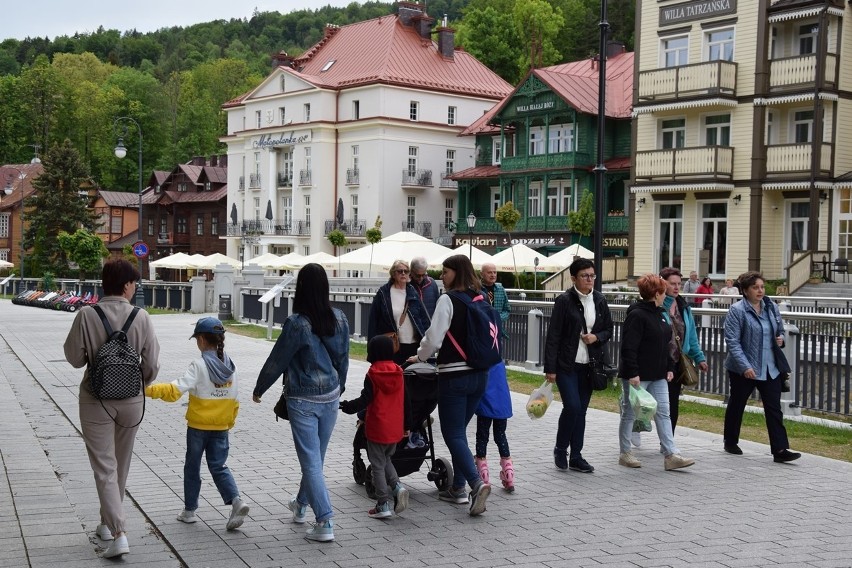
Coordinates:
(385, 413)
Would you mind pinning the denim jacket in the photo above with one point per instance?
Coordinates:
(744, 335)
(381, 312)
(315, 365)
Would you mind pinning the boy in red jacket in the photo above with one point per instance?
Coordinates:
(384, 425)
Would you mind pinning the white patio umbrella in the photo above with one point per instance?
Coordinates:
(479, 257)
(288, 261)
(322, 258)
(266, 260)
(522, 258)
(213, 260)
(4, 264)
(567, 255)
(379, 257)
(179, 261)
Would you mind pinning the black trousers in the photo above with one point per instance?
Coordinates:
(770, 395)
(675, 388)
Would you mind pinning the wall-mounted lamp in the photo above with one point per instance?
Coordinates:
(640, 203)
(737, 198)
(822, 197)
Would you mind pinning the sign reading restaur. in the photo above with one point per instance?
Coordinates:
(696, 10)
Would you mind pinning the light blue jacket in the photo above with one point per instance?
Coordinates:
(315, 365)
(744, 335)
(690, 346)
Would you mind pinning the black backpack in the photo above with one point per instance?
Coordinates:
(483, 332)
(116, 373)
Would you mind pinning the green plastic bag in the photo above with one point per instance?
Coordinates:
(644, 407)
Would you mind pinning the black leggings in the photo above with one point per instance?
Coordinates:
(483, 424)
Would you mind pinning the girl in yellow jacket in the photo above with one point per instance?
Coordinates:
(212, 385)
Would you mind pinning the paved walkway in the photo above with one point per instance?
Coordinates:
(725, 511)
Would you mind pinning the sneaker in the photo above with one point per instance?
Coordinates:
(482, 468)
(103, 532)
(478, 498)
(381, 511)
(187, 516)
(636, 439)
(400, 498)
(560, 458)
(786, 456)
(321, 532)
(452, 495)
(677, 461)
(239, 510)
(299, 511)
(581, 465)
(628, 460)
(118, 547)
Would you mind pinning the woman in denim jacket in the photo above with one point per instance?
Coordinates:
(754, 334)
(313, 352)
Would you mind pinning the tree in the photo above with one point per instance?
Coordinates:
(582, 221)
(338, 239)
(537, 24)
(85, 249)
(374, 235)
(500, 52)
(56, 207)
(508, 216)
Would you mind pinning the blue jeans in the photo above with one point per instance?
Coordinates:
(312, 424)
(660, 391)
(458, 398)
(576, 393)
(214, 444)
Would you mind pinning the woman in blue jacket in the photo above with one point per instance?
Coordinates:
(754, 334)
(313, 350)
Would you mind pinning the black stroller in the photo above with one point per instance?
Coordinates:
(421, 384)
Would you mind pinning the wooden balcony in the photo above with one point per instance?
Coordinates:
(792, 73)
(711, 78)
(544, 161)
(701, 163)
(789, 159)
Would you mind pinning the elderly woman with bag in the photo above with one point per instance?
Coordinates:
(399, 312)
(754, 334)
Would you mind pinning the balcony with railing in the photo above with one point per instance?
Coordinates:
(172, 238)
(792, 73)
(350, 227)
(710, 78)
(416, 178)
(353, 176)
(790, 159)
(447, 229)
(164, 239)
(448, 184)
(242, 182)
(254, 180)
(700, 163)
(541, 161)
(285, 179)
(305, 177)
(422, 228)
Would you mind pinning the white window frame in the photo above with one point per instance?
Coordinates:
(795, 122)
(353, 207)
(772, 125)
(307, 108)
(355, 155)
(534, 200)
(413, 152)
(356, 110)
(258, 119)
(5, 222)
(812, 37)
(496, 151)
(680, 53)
(451, 115)
(496, 200)
(716, 272)
(307, 198)
(663, 131)
(257, 208)
(449, 211)
(411, 211)
(718, 128)
(199, 224)
(282, 115)
(287, 209)
(308, 158)
(413, 111)
(451, 162)
(561, 138)
(536, 141)
(214, 223)
(673, 222)
(710, 44)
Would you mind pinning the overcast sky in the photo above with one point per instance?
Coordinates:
(52, 18)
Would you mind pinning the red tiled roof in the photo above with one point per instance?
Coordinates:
(213, 174)
(10, 177)
(478, 172)
(196, 196)
(617, 164)
(120, 198)
(482, 124)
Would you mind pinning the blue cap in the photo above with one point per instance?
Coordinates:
(208, 325)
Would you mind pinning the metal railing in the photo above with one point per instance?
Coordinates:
(352, 176)
(304, 177)
(417, 178)
(285, 179)
(350, 227)
(254, 180)
(422, 228)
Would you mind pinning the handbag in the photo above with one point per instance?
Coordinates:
(280, 408)
(688, 374)
(393, 334)
(600, 372)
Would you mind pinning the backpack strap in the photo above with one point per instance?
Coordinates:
(126, 327)
(464, 298)
(104, 320)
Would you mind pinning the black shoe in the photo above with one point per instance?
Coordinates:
(560, 458)
(580, 465)
(733, 449)
(786, 456)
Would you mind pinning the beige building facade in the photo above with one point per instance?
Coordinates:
(742, 123)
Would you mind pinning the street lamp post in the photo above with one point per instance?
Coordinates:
(9, 189)
(119, 127)
(600, 168)
(471, 223)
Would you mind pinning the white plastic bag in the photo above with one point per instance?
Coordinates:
(540, 400)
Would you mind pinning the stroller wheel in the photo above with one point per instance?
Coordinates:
(359, 470)
(368, 483)
(441, 473)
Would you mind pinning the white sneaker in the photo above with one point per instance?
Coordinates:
(187, 516)
(103, 532)
(119, 547)
(239, 510)
(300, 512)
(628, 460)
(636, 439)
(321, 532)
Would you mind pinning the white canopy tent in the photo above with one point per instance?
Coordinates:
(178, 261)
(215, 259)
(5, 264)
(521, 258)
(266, 260)
(478, 259)
(322, 258)
(379, 257)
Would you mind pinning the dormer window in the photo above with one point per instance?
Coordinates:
(207, 186)
(182, 186)
(328, 65)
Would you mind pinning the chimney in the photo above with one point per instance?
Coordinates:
(214, 160)
(446, 39)
(614, 48)
(199, 161)
(223, 160)
(281, 59)
(424, 26)
(408, 11)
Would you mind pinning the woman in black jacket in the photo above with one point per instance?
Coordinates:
(579, 327)
(645, 363)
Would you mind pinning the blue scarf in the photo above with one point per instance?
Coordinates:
(220, 371)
